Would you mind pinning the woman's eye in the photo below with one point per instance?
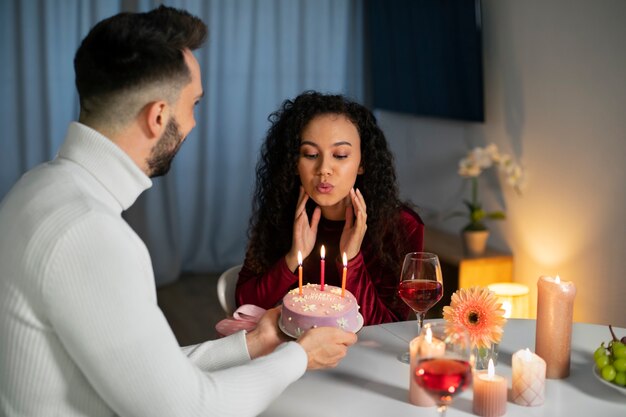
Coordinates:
(341, 156)
(309, 155)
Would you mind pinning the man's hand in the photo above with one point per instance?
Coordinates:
(325, 346)
(266, 336)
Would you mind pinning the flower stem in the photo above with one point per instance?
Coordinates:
(474, 191)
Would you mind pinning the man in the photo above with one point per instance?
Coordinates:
(80, 330)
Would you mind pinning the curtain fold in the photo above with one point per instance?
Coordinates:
(259, 53)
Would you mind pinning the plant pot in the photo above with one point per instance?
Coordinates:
(475, 242)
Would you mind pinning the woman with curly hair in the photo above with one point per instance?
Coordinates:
(326, 177)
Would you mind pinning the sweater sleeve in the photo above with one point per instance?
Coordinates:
(377, 298)
(99, 293)
(264, 290)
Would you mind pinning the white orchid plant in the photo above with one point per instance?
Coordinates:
(472, 165)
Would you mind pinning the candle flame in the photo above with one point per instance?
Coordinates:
(491, 371)
(299, 258)
(557, 279)
(345, 260)
(429, 335)
(527, 355)
(323, 252)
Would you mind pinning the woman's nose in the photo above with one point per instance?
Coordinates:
(324, 167)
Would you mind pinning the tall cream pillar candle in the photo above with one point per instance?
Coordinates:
(555, 312)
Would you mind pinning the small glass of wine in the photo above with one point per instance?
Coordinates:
(444, 369)
(421, 286)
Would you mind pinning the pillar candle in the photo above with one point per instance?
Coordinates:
(490, 391)
(423, 346)
(300, 273)
(555, 311)
(529, 378)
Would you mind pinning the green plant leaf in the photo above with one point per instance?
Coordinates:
(496, 215)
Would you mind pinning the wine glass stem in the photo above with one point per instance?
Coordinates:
(420, 322)
(442, 410)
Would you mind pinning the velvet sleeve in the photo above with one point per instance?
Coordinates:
(264, 290)
(378, 297)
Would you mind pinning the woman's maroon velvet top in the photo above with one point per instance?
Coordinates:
(374, 287)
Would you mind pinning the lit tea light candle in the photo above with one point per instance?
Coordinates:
(322, 267)
(300, 272)
(490, 392)
(514, 298)
(343, 277)
(529, 378)
(555, 312)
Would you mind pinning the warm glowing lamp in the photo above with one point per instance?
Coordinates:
(514, 298)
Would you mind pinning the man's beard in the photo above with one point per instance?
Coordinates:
(166, 148)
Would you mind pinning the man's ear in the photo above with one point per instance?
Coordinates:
(156, 118)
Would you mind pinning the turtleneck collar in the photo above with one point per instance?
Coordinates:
(106, 161)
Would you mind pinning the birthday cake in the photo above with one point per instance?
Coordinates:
(317, 308)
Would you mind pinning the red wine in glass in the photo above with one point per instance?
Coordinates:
(420, 286)
(444, 370)
(420, 294)
(443, 377)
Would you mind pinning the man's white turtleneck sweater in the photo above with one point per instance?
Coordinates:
(80, 330)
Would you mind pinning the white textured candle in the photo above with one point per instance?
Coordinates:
(529, 378)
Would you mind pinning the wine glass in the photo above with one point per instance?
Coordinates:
(443, 368)
(421, 286)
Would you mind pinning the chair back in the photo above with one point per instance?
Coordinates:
(226, 284)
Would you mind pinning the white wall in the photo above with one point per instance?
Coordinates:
(555, 92)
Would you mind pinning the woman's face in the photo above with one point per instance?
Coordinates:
(329, 162)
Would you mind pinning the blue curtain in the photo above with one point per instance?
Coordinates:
(259, 53)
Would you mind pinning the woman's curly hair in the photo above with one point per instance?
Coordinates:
(277, 182)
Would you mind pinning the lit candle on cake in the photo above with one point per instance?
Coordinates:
(322, 267)
(490, 392)
(555, 311)
(300, 272)
(343, 277)
(529, 378)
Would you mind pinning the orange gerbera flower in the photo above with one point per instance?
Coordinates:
(478, 310)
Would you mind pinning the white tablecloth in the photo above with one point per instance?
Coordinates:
(371, 381)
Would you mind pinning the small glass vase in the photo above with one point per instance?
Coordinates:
(482, 356)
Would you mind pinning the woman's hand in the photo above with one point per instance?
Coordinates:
(304, 232)
(356, 225)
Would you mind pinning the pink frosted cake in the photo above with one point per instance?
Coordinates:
(317, 308)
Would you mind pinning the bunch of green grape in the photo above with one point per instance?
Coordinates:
(611, 360)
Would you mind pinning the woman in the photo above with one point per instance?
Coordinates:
(326, 177)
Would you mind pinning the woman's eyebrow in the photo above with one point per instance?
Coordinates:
(340, 143)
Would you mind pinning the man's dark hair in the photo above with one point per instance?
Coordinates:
(131, 51)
